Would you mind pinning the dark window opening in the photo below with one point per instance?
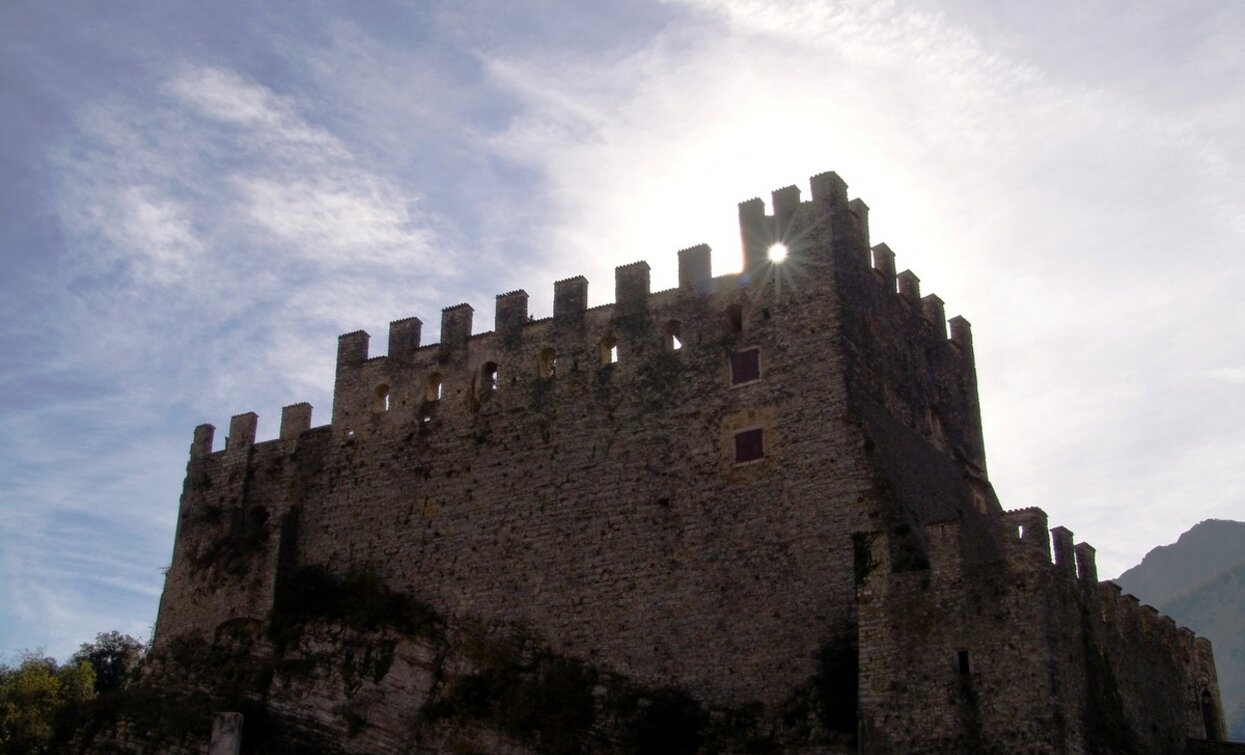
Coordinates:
(745, 366)
(749, 446)
(382, 403)
(1209, 720)
(435, 387)
(488, 376)
(961, 663)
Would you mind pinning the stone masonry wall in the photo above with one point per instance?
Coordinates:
(701, 487)
(519, 474)
(1022, 655)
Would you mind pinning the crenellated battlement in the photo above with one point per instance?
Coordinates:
(827, 237)
(1038, 627)
(1032, 548)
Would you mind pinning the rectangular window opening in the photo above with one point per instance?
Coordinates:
(749, 446)
(745, 366)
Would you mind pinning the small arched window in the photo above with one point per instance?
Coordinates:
(488, 377)
(609, 350)
(435, 387)
(381, 403)
(673, 335)
(548, 362)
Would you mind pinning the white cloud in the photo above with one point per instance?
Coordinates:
(347, 219)
(225, 96)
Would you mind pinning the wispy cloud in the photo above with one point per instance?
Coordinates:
(1038, 203)
(217, 241)
(1075, 193)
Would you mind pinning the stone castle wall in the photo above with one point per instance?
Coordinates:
(696, 487)
(1025, 654)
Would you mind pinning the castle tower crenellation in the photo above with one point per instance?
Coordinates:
(1027, 537)
(696, 269)
(352, 348)
(1086, 566)
(884, 264)
(962, 334)
(785, 201)
(828, 188)
(455, 326)
(404, 336)
(860, 211)
(295, 420)
(631, 286)
(1061, 544)
(202, 444)
(756, 232)
(241, 432)
(570, 299)
(909, 285)
(511, 315)
(935, 313)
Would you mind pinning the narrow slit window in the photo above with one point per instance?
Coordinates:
(382, 402)
(435, 387)
(674, 335)
(749, 445)
(609, 350)
(745, 366)
(734, 319)
(962, 664)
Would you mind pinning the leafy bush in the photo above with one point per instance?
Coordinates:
(41, 703)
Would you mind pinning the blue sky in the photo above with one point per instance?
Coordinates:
(197, 198)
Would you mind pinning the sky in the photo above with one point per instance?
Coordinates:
(197, 198)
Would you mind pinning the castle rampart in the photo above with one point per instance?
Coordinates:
(702, 487)
(977, 643)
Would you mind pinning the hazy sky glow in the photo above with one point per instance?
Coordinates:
(198, 198)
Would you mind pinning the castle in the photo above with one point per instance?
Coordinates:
(753, 489)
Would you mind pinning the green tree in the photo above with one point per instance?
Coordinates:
(41, 703)
(113, 655)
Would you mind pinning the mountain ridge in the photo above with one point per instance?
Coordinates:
(1199, 581)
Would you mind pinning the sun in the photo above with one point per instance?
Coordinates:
(777, 252)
